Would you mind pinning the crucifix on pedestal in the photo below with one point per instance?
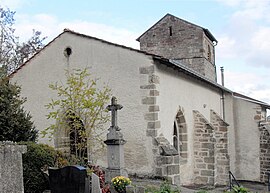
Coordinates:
(115, 145)
(114, 107)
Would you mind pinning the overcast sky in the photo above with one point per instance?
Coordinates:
(242, 28)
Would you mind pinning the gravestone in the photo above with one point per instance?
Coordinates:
(11, 168)
(95, 187)
(115, 145)
(70, 179)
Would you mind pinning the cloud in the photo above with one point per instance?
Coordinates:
(225, 48)
(247, 32)
(259, 55)
(50, 26)
(116, 35)
(41, 22)
(249, 84)
(13, 4)
(231, 3)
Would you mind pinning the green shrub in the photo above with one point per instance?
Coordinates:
(39, 156)
(239, 189)
(165, 187)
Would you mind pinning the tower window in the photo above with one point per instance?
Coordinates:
(209, 53)
(170, 30)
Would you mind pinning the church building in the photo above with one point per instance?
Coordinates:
(177, 120)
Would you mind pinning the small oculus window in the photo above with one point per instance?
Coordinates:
(68, 51)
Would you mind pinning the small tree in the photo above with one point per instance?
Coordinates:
(15, 122)
(80, 108)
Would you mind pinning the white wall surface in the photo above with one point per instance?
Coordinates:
(115, 66)
(247, 141)
(229, 118)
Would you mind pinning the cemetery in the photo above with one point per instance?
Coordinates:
(90, 178)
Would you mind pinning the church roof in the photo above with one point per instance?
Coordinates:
(175, 64)
(206, 31)
(243, 97)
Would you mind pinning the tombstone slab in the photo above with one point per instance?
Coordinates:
(70, 179)
(95, 184)
(11, 167)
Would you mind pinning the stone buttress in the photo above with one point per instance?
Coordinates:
(210, 150)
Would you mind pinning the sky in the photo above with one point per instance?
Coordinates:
(242, 28)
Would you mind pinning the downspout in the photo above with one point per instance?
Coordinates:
(222, 93)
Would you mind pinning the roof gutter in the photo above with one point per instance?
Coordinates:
(180, 67)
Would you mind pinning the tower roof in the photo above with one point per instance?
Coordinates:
(206, 31)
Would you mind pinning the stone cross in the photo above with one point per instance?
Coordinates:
(114, 107)
(115, 145)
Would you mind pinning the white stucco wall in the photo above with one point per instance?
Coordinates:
(115, 66)
(177, 89)
(247, 141)
(229, 118)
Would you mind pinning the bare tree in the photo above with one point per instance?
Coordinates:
(13, 52)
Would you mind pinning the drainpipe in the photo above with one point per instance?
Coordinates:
(222, 95)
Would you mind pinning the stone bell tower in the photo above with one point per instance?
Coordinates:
(177, 39)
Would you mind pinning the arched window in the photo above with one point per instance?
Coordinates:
(181, 131)
(175, 137)
(77, 136)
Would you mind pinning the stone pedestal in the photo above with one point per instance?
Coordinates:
(115, 146)
(115, 153)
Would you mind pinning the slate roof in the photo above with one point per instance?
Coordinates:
(206, 31)
(181, 67)
(246, 98)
